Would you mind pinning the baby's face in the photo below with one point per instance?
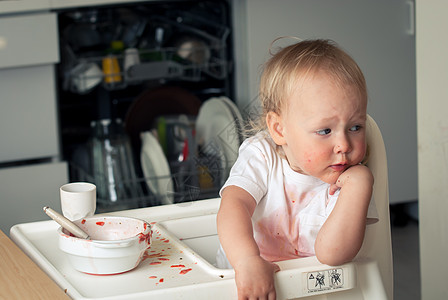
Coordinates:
(324, 128)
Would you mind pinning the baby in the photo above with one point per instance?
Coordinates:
(299, 187)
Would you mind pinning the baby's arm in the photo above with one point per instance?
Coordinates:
(341, 236)
(253, 275)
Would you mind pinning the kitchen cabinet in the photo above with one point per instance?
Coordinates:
(378, 34)
(25, 190)
(28, 118)
(27, 40)
(28, 121)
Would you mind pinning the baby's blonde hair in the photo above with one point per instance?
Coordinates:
(285, 68)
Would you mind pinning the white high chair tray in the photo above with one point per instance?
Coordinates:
(178, 265)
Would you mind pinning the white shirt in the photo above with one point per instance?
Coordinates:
(291, 207)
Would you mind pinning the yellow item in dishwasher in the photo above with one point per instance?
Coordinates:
(111, 69)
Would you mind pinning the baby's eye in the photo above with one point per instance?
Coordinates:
(324, 131)
(355, 128)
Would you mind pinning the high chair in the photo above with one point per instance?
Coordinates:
(369, 276)
(377, 241)
(180, 261)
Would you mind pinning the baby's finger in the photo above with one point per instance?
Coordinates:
(272, 296)
(333, 189)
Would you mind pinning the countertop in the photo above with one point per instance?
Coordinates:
(21, 278)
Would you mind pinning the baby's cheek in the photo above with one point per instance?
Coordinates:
(306, 166)
(312, 158)
(361, 153)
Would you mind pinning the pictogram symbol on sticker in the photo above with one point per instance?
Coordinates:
(325, 280)
(335, 277)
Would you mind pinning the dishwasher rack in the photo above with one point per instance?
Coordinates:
(185, 185)
(199, 51)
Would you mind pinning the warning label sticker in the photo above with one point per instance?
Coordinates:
(325, 280)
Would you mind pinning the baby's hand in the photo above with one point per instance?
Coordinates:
(359, 173)
(254, 278)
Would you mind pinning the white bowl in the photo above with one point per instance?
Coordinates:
(117, 244)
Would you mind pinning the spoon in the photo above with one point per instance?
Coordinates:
(66, 223)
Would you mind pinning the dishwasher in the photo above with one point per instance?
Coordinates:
(137, 70)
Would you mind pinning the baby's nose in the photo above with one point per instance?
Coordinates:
(342, 145)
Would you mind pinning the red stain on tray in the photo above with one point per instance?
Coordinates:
(158, 254)
(100, 223)
(155, 263)
(152, 277)
(178, 266)
(185, 271)
(154, 255)
(161, 258)
(83, 221)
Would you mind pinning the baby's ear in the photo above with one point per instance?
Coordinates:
(275, 126)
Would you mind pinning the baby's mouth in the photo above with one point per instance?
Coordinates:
(339, 167)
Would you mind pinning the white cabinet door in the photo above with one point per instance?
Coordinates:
(27, 40)
(28, 119)
(24, 191)
(375, 33)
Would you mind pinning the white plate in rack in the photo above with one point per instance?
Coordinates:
(217, 132)
(239, 123)
(156, 168)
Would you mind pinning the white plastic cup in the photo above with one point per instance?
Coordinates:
(78, 200)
